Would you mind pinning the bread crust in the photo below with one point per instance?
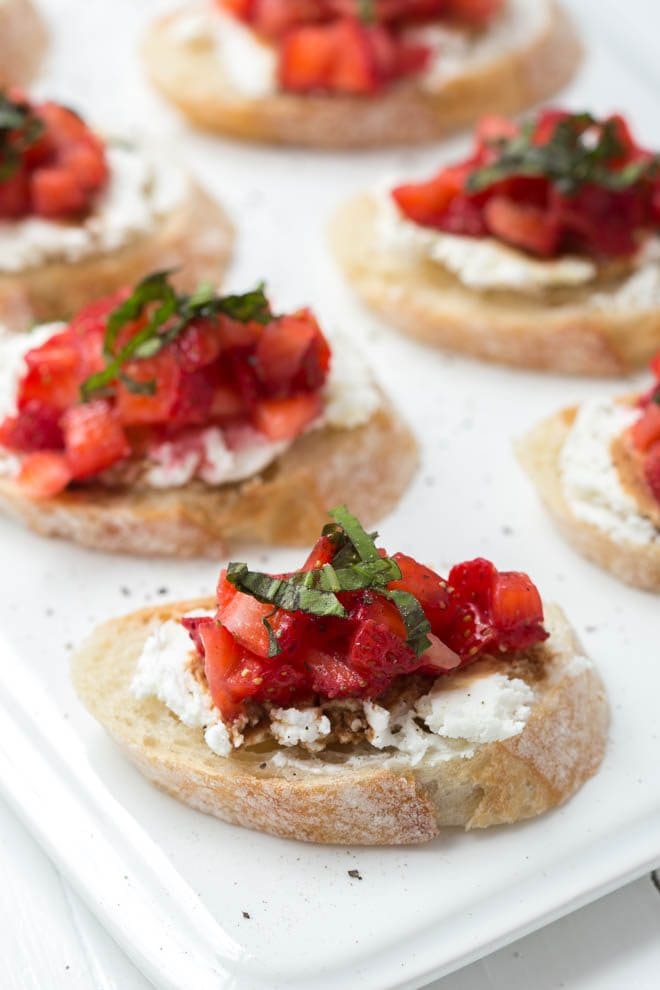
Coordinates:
(23, 40)
(558, 331)
(380, 803)
(195, 237)
(370, 466)
(539, 452)
(195, 81)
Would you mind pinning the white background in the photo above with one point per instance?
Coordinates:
(49, 942)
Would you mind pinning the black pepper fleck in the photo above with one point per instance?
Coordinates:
(246, 915)
(354, 874)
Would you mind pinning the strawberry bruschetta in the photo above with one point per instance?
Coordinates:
(81, 216)
(362, 699)
(160, 422)
(540, 250)
(23, 39)
(596, 467)
(342, 73)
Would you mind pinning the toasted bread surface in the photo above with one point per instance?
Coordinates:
(23, 40)
(369, 800)
(539, 452)
(196, 237)
(370, 466)
(561, 330)
(196, 81)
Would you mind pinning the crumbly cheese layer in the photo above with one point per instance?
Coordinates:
(459, 713)
(141, 192)
(589, 478)
(249, 64)
(481, 263)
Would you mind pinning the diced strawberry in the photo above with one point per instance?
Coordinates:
(285, 419)
(15, 195)
(655, 366)
(243, 616)
(226, 403)
(428, 202)
(646, 430)
(331, 677)
(44, 474)
(307, 59)
(222, 656)
(475, 12)
(438, 658)
(379, 655)
(515, 601)
(94, 438)
(375, 608)
(193, 402)
(523, 226)
(494, 127)
(199, 345)
(87, 164)
(53, 374)
(225, 590)
(135, 407)
(36, 428)
(193, 625)
(56, 192)
(428, 588)
(322, 553)
(292, 352)
(652, 470)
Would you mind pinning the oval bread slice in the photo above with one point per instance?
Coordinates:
(370, 465)
(195, 237)
(371, 800)
(23, 41)
(539, 452)
(560, 330)
(195, 80)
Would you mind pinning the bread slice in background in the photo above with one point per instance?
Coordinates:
(23, 40)
(196, 237)
(560, 330)
(372, 800)
(539, 452)
(195, 80)
(370, 465)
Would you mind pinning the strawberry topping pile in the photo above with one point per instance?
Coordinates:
(351, 46)
(352, 620)
(139, 369)
(51, 164)
(560, 183)
(645, 433)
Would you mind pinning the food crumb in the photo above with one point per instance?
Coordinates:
(355, 874)
(246, 914)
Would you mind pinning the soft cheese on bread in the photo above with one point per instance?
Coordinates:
(163, 422)
(324, 75)
(362, 699)
(596, 467)
(81, 215)
(540, 250)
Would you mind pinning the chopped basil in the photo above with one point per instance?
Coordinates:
(167, 320)
(581, 150)
(357, 566)
(19, 128)
(366, 11)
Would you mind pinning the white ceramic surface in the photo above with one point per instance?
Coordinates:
(417, 912)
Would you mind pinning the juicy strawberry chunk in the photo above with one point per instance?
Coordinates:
(379, 655)
(199, 345)
(523, 226)
(427, 202)
(428, 588)
(56, 192)
(44, 474)
(52, 376)
(222, 656)
(243, 616)
(292, 352)
(93, 437)
(476, 12)
(494, 127)
(164, 372)
(652, 470)
(87, 164)
(646, 431)
(285, 419)
(15, 195)
(515, 601)
(36, 428)
(331, 677)
(323, 552)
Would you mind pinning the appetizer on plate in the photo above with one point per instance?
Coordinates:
(81, 216)
(342, 73)
(22, 41)
(362, 699)
(596, 467)
(540, 250)
(166, 423)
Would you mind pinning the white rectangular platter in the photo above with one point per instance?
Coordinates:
(174, 886)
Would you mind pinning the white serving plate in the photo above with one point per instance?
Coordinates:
(171, 884)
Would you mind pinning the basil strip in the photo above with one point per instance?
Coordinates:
(361, 540)
(414, 619)
(286, 593)
(20, 127)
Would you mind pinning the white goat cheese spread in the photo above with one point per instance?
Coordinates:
(481, 263)
(249, 64)
(589, 478)
(139, 194)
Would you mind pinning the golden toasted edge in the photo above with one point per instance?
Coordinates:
(196, 238)
(23, 41)
(422, 299)
(369, 466)
(539, 452)
(560, 748)
(194, 81)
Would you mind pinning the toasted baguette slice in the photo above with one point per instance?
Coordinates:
(370, 799)
(196, 237)
(23, 41)
(539, 452)
(370, 465)
(195, 80)
(561, 330)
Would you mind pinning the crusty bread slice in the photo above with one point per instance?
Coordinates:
(539, 452)
(370, 466)
(23, 40)
(196, 81)
(370, 799)
(560, 330)
(195, 237)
